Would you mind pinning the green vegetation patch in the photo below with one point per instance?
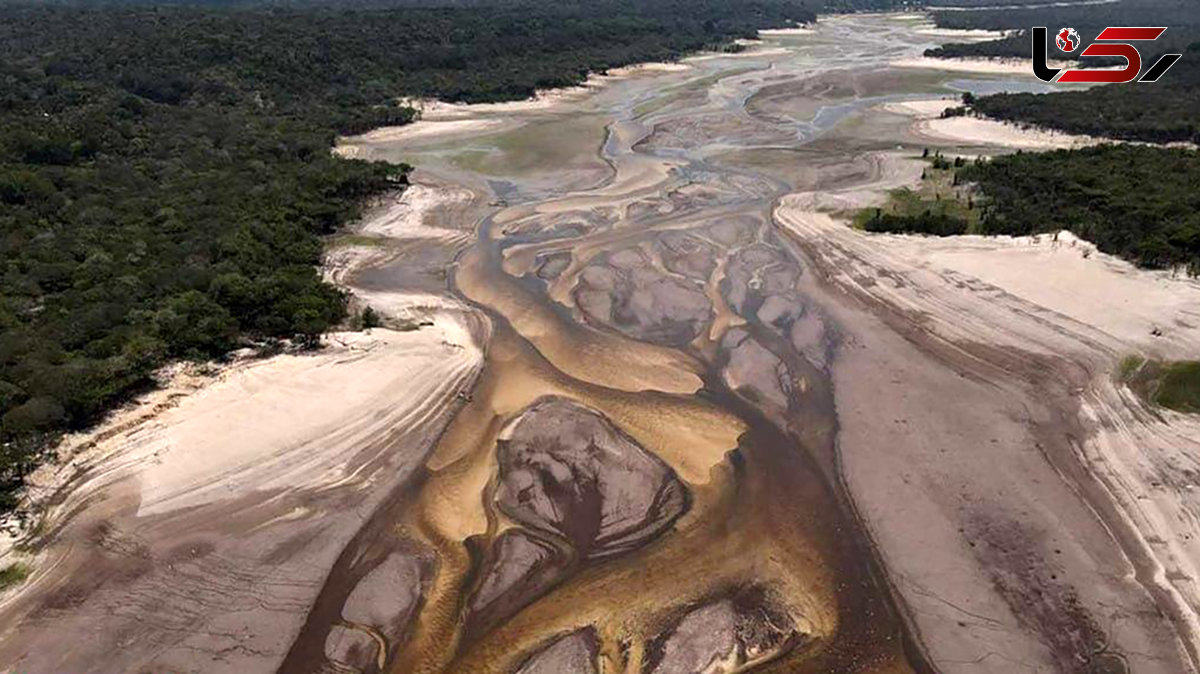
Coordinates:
(1134, 201)
(1174, 385)
(13, 575)
(1089, 19)
(1166, 111)
(941, 204)
(1179, 387)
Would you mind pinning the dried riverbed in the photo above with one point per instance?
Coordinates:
(694, 425)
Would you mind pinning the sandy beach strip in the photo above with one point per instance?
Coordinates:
(786, 32)
(969, 130)
(988, 66)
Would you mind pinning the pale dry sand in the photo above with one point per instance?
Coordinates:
(956, 35)
(1149, 462)
(413, 215)
(424, 130)
(404, 308)
(923, 109)
(785, 32)
(293, 422)
(977, 131)
(1058, 272)
(980, 131)
(290, 422)
(441, 122)
(1070, 277)
(193, 530)
(438, 111)
(1055, 300)
(989, 66)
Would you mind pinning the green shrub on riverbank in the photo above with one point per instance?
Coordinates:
(1174, 385)
(13, 574)
(940, 205)
(1179, 387)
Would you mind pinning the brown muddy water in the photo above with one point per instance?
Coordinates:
(645, 478)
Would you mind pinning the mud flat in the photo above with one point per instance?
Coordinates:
(674, 253)
(671, 416)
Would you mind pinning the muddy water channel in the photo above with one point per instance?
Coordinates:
(645, 479)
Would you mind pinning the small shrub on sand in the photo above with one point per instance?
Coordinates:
(13, 574)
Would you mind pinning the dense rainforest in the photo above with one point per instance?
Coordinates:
(1135, 201)
(165, 173)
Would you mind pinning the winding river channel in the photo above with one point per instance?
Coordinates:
(646, 477)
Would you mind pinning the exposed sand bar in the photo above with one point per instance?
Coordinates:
(953, 35)
(784, 32)
(279, 425)
(1030, 5)
(424, 130)
(264, 461)
(544, 100)
(414, 215)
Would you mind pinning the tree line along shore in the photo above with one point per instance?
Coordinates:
(1136, 202)
(166, 174)
(1165, 112)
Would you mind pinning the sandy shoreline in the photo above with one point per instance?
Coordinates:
(232, 461)
(438, 111)
(969, 130)
(1054, 296)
